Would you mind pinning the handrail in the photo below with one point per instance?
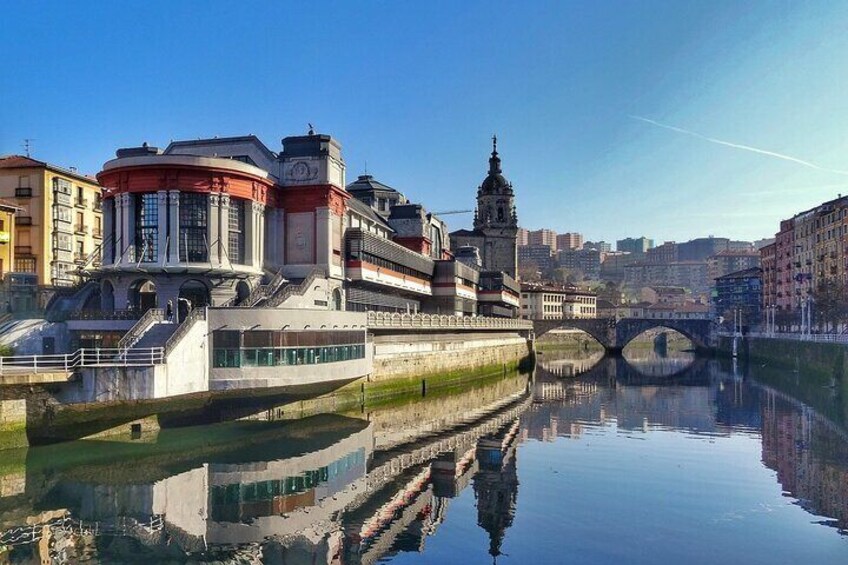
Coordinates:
(193, 316)
(134, 334)
(258, 293)
(295, 289)
(85, 357)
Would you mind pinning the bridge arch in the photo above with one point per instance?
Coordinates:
(699, 332)
(616, 334)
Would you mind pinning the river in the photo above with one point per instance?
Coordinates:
(647, 459)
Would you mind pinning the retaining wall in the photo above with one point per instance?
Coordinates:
(814, 359)
(413, 355)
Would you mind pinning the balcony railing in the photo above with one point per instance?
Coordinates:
(81, 203)
(80, 229)
(23, 192)
(97, 232)
(79, 258)
(67, 363)
(385, 320)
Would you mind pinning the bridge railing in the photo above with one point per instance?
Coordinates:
(86, 357)
(390, 320)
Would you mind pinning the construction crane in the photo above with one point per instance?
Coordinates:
(449, 212)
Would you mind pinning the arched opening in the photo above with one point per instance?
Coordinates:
(242, 291)
(141, 296)
(566, 352)
(93, 301)
(659, 351)
(193, 294)
(337, 299)
(107, 296)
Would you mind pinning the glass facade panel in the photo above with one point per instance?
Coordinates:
(235, 246)
(263, 348)
(147, 228)
(194, 220)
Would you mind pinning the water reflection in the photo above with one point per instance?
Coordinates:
(406, 480)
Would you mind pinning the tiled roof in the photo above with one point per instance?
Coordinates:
(22, 162)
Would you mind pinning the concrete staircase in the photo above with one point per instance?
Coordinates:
(156, 335)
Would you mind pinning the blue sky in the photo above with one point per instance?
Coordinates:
(417, 89)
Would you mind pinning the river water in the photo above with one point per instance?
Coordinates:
(648, 459)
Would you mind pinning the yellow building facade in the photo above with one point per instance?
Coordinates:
(59, 225)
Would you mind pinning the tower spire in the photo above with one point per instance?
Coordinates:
(494, 160)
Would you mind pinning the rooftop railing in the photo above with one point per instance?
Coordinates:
(388, 320)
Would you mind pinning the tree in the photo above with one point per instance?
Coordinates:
(529, 272)
(830, 304)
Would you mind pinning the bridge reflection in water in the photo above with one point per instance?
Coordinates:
(361, 488)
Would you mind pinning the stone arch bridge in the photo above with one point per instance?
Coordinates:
(615, 334)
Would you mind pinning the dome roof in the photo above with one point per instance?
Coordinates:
(495, 182)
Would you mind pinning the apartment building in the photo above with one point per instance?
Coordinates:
(59, 225)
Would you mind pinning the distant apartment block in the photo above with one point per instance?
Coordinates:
(539, 255)
(543, 237)
(587, 261)
(551, 302)
(601, 246)
(523, 237)
(730, 261)
(570, 240)
(637, 245)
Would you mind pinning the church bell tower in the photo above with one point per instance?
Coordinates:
(496, 219)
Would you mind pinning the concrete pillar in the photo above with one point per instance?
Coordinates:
(128, 227)
(174, 226)
(323, 236)
(162, 211)
(108, 251)
(261, 237)
(224, 232)
(213, 229)
(253, 237)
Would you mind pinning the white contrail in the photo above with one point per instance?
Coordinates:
(739, 146)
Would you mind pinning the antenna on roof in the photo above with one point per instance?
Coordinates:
(28, 145)
(311, 129)
(366, 166)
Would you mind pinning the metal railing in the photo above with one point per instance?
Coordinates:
(387, 320)
(86, 357)
(259, 293)
(295, 289)
(150, 317)
(822, 338)
(194, 316)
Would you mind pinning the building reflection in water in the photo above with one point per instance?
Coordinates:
(336, 489)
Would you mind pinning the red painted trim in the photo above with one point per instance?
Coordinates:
(186, 178)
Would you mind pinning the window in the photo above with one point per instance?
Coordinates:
(146, 227)
(194, 217)
(235, 247)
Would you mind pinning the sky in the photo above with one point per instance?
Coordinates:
(672, 120)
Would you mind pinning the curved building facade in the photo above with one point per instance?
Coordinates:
(181, 228)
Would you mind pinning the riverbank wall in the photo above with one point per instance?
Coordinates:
(400, 362)
(824, 362)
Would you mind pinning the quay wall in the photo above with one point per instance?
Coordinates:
(827, 362)
(404, 355)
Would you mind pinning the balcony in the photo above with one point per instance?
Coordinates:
(97, 204)
(80, 229)
(81, 203)
(23, 192)
(97, 233)
(79, 258)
